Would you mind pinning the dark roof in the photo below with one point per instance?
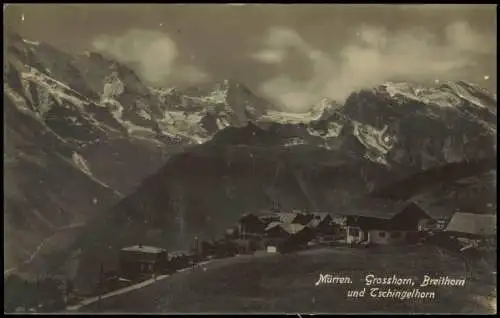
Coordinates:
(290, 228)
(314, 223)
(272, 225)
(379, 208)
(180, 253)
(268, 216)
(320, 215)
(250, 217)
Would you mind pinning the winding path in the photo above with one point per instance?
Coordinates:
(40, 246)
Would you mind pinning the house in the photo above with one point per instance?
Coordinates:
(469, 232)
(322, 223)
(180, 259)
(432, 225)
(287, 235)
(385, 223)
(364, 229)
(299, 235)
(140, 260)
(339, 220)
(250, 226)
(294, 217)
(271, 249)
(408, 216)
(305, 218)
(275, 230)
(473, 226)
(268, 216)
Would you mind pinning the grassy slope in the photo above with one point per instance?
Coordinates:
(285, 283)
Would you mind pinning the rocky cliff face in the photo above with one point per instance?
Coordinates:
(95, 117)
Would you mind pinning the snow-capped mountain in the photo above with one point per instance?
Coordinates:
(83, 132)
(321, 110)
(378, 137)
(97, 116)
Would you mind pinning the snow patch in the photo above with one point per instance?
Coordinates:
(291, 118)
(462, 92)
(333, 131)
(53, 87)
(179, 123)
(222, 123)
(81, 163)
(295, 141)
(217, 96)
(112, 90)
(36, 43)
(142, 113)
(377, 142)
(18, 100)
(436, 96)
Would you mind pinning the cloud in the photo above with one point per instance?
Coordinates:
(153, 54)
(270, 56)
(190, 74)
(370, 57)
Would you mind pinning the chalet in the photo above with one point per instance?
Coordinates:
(466, 231)
(281, 235)
(305, 218)
(180, 259)
(321, 223)
(275, 230)
(339, 220)
(268, 216)
(384, 223)
(294, 218)
(250, 226)
(432, 225)
(139, 260)
(300, 234)
(472, 226)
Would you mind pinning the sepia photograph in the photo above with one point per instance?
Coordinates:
(240, 158)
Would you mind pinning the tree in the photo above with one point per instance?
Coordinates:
(15, 293)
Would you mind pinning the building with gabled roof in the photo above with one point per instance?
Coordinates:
(383, 222)
(141, 260)
(471, 225)
(180, 259)
(321, 223)
(287, 217)
(288, 234)
(251, 226)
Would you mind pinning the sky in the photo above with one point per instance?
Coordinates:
(295, 55)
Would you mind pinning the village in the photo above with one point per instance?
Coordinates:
(278, 232)
(370, 224)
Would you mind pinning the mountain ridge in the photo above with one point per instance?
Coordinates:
(115, 132)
